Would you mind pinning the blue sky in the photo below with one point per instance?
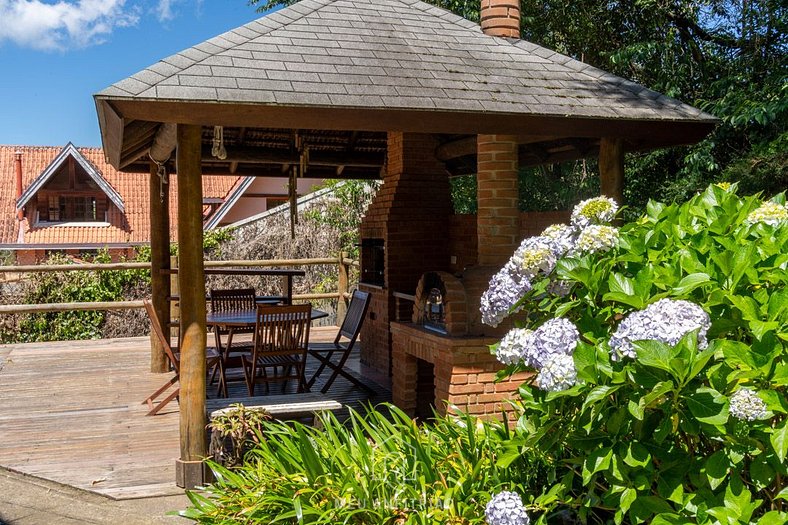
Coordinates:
(54, 55)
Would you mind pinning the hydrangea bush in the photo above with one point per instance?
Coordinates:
(661, 359)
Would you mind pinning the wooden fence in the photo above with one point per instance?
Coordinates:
(343, 263)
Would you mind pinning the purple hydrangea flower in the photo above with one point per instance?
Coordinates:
(746, 405)
(556, 336)
(500, 297)
(506, 508)
(667, 320)
(561, 238)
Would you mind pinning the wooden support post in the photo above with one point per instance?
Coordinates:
(611, 168)
(191, 285)
(175, 310)
(159, 262)
(342, 288)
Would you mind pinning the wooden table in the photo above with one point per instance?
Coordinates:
(234, 320)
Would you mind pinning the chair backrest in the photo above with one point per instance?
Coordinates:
(232, 300)
(282, 330)
(354, 318)
(164, 341)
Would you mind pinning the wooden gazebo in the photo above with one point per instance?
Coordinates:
(396, 89)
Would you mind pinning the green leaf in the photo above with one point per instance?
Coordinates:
(637, 456)
(654, 354)
(630, 300)
(747, 306)
(690, 282)
(599, 393)
(621, 284)
(779, 440)
(708, 406)
(716, 467)
(628, 496)
(773, 517)
(596, 461)
(761, 328)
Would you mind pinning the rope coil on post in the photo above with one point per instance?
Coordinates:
(218, 150)
(161, 171)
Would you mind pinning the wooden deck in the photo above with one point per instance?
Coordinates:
(71, 412)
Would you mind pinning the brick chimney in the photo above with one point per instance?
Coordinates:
(501, 18)
(18, 166)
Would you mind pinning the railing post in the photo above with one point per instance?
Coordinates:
(342, 288)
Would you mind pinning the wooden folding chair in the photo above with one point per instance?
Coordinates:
(281, 335)
(349, 330)
(212, 360)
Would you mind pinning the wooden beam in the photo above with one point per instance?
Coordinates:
(666, 132)
(241, 138)
(164, 142)
(250, 155)
(467, 146)
(611, 168)
(191, 285)
(160, 261)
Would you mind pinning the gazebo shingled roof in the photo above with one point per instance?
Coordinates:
(381, 65)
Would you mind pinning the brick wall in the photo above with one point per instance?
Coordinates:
(464, 372)
(463, 240)
(498, 221)
(410, 213)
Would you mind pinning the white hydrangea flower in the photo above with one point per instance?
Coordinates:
(502, 294)
(538, 259)
(506, 508)
(558, 373)
(769, 213)
(512, 348)
(599, 210)
(561, 238)
(534, 254)
(667, 320)
(596, 239)
(746, 405)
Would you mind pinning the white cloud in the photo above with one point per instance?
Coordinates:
(62, 25)
(164, 10)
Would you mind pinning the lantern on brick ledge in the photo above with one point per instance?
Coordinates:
(434, 312)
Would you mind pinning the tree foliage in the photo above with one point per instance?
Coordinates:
(727, 57)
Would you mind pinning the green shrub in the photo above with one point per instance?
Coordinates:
(661, 437)
(75, 286)
(379, 468)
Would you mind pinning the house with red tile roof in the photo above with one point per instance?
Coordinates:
(72, 200)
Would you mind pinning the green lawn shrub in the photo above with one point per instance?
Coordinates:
(376, 468)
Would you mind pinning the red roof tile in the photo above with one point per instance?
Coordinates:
(132, 187)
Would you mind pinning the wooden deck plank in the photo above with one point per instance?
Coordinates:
(71, 412)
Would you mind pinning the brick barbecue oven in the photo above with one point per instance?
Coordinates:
(409, 237)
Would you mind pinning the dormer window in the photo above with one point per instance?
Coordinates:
(80, 208)
(70, 191)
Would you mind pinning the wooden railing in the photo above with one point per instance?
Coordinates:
(343, 262)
